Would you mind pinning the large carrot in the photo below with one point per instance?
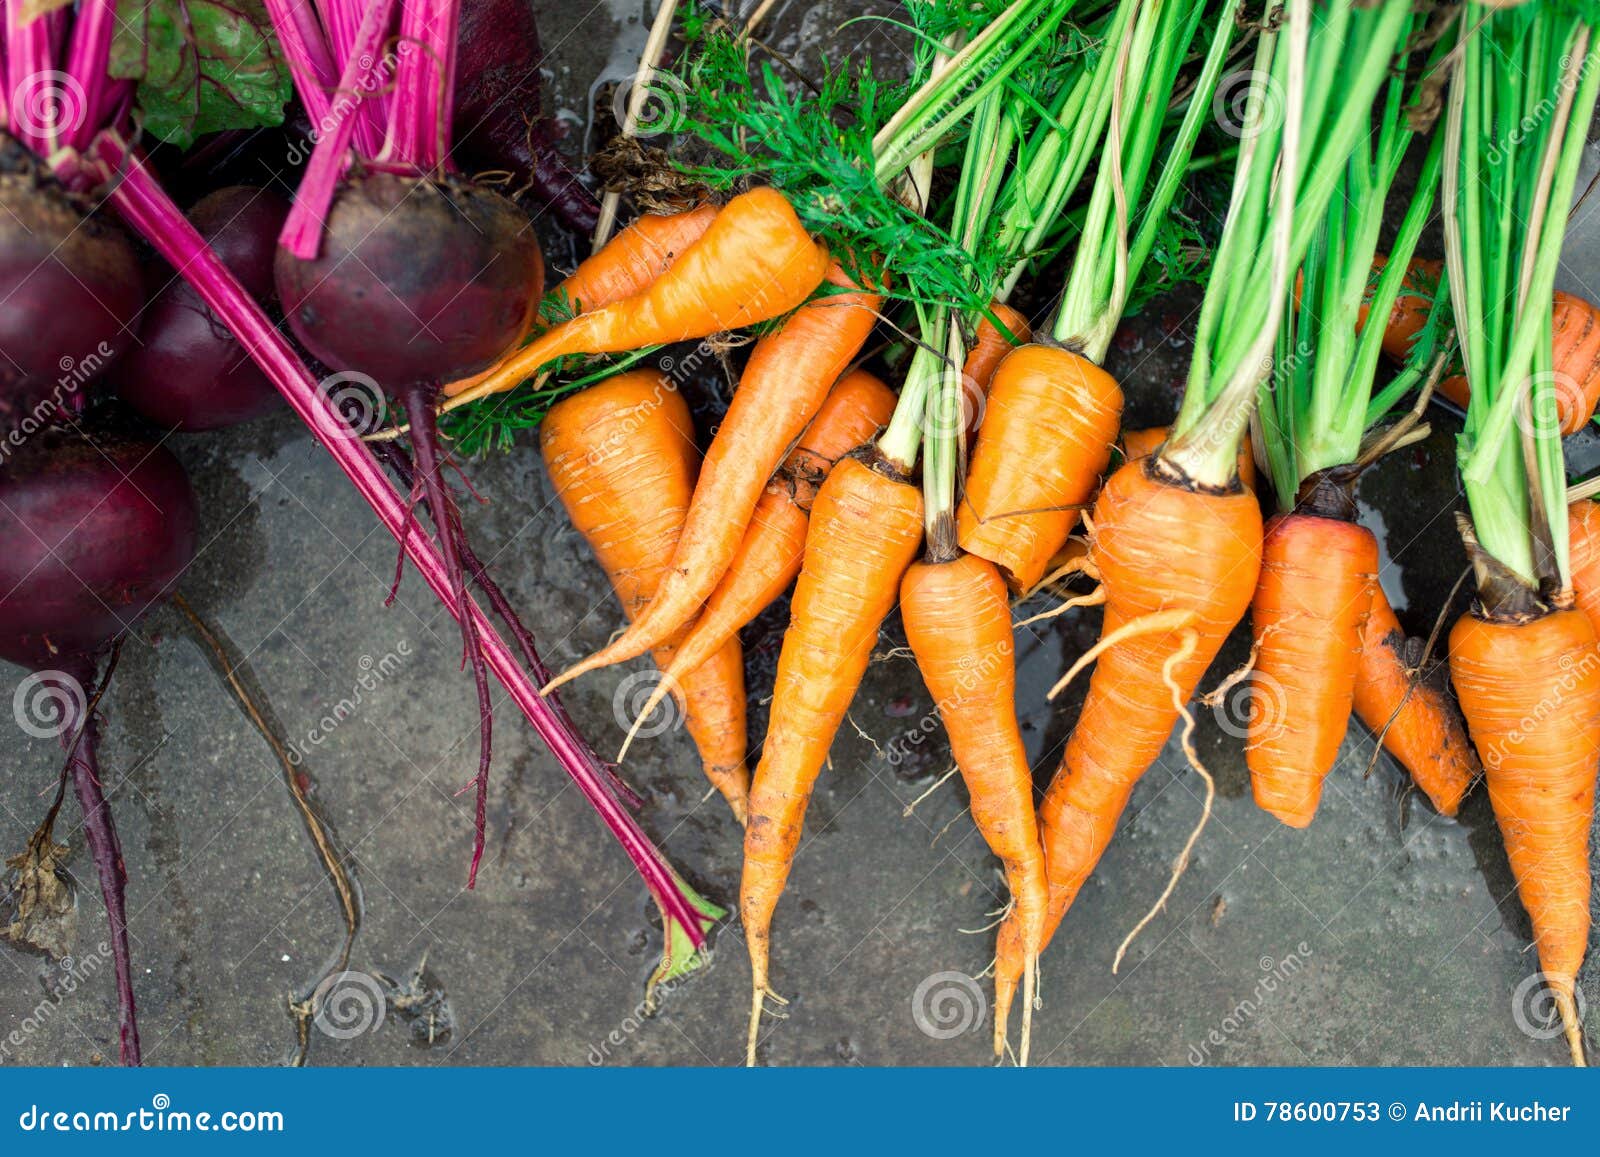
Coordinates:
(783, 386)
(631, 261)
(753, 263)
(1575, 363)
(958, 621)
(1046, 438)
(1309, 611)
(1531, 693)
(990, 345)
(1143, 443)
(769, 557)
(1179, 564)
(621, 455)
(1414, 716)
(865, 527)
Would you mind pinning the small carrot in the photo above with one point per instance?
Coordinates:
(783, 386)
(769, 557)
(622, 457)
(1531, 693)
(1409, 314)
(1415, 717)
(1143, 443)
(865, 527)
(1309, 611)
(754, 262)
(1179, 564)
(990, 345)
(632, 260)
(1045, 440)
(958, 622)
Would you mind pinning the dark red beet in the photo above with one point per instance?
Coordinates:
(418, 281)
(188, 371)
(93, 534)
(498, 121)
(70, 291)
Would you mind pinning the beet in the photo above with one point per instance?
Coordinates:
(188, 371)
(71, 290)
(418, 281)
(95, 533)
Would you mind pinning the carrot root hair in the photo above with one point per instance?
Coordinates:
(1152, 624)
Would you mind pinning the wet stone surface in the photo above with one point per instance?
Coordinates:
(1383, 934)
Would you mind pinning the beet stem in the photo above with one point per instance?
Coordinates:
(419, 402)
(100, 833)
(147, 208)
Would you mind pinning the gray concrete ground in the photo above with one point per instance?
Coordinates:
(1382, 935)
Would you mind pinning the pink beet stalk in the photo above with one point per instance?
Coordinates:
(305, 50)
(419, 118)
(142, 202)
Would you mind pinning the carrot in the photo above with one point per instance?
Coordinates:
(989, 347)
(1575, 363)
(769, 557)
(1143, 443)
(1045, 440)
(621, 455)
(865, 527)
(958, 622)
(1179, 564)
(784, 384)
(753, 263)
(1309, 611)
(1531, 693)
(632, 260)
(1409, 314)
(1583, 539)
(1415, 717)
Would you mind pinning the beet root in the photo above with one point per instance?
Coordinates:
(94, 534)
(417, 282)
(70, 291)
(188, 371)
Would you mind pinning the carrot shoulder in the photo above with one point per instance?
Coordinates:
(632, 260)
(1179, 566)
(783, 386)
(1416, 718)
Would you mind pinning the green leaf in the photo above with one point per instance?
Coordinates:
(203, 66)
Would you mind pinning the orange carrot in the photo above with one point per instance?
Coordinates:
(631, 261)
(1143, 443)
(1416, 718)
(989, 348)
(1309, 611)
(753, 263)
(865, 527)
(958, 622)
(1179, 565)
(784, 384)
(1583, 547)
(1045, 440)
(622, 457)
(1575, 361)
(769, 557)
(1531, 693)
(1409, 314)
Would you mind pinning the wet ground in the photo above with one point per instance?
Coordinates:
(1382, 935)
